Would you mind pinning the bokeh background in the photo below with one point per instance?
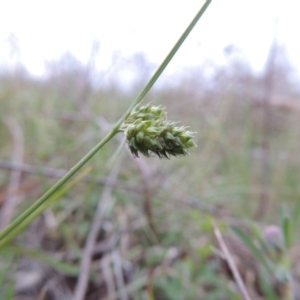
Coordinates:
(69, 70)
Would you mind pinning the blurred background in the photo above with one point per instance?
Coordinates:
(144, 228)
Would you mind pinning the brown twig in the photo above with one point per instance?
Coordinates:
(147, 205)
(107, 274)
(104, 204)
(130, 288)
(231, 263)
(117, 264)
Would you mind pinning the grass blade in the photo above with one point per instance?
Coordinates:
(251, 246)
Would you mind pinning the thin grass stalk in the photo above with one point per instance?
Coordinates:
(27, 213)
(59, 193)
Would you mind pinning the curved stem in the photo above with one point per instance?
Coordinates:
(26, 214)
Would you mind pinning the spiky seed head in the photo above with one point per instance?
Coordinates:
(147, 131)
(146, 112)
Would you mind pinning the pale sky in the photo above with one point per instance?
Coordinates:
(44, 30)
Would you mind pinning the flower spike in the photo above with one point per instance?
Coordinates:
(148, 131)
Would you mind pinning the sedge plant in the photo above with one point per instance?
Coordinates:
(147, 132)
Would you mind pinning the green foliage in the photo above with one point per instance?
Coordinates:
(190, 281)
(271, 248)
(6, 281)
(221, 180)
(254, 249)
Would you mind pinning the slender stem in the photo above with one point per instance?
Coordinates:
(23, 216)
(43, 207)
(165, 62)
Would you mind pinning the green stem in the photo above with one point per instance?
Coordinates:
(165, 61)
(26, 214)
(58, 194)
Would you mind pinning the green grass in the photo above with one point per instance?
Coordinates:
(221, 180)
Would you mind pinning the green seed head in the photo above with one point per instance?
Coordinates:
(148, 132)
(146, 112)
